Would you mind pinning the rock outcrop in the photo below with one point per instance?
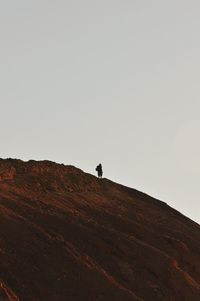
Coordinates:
(65, 235)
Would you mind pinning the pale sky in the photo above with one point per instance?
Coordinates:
(110, 81)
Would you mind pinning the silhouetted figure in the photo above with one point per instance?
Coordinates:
(99, 171)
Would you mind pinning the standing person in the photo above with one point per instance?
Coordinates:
(99, 171)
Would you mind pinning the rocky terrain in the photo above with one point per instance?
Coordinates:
(67, 236)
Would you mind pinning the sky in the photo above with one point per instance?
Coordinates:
(110, 81)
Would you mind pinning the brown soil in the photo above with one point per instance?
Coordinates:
(67, 236)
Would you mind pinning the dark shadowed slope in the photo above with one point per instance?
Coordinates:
(65, 235)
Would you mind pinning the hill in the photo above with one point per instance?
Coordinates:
(65, 235)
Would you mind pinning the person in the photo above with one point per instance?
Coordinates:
(99, 171)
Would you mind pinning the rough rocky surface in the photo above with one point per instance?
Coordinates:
(65, 235)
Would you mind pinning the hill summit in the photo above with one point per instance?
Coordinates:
(67, 236)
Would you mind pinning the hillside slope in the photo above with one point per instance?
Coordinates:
(65, 235)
